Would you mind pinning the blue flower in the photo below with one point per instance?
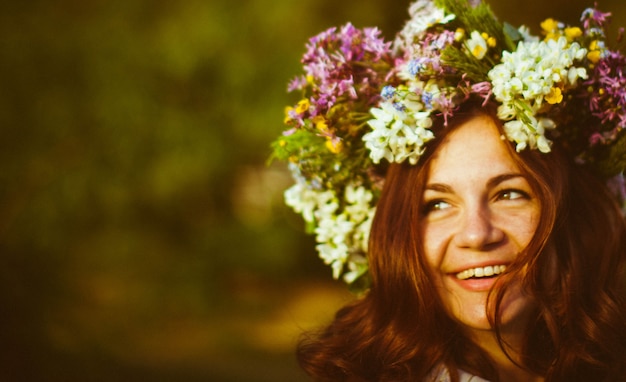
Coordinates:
(427, 99)
(388, 92)
(416, 66)
(399, 106)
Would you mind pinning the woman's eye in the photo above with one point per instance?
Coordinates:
(435, 205)
(512, 195)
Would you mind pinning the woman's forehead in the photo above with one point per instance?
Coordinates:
(474, 145)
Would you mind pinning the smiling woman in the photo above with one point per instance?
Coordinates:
(484, 261)
(492, 245)
(482, 230)
(479, 212)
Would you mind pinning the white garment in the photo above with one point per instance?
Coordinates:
(441, 374)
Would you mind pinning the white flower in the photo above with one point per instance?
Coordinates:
(337, 267)
(333, 228)
(526, 35)
(377, 142)
(424, 14)
(477, 45)
(359, 202)
(575, 73)
(537, 71)
(302, 200)
(357, 266)
(535, 68)
(332, 233)
(529, 134)
(362, 232)
(333, 255)
(399, 130)
(506, 112)
(341, 234)
(326, 204)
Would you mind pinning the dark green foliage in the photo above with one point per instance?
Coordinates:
(481, 15)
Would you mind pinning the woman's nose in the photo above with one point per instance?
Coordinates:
(477, 229)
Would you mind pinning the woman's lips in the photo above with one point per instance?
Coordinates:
(479, 272)
(478, 279)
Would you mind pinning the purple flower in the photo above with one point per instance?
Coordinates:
(347, 86)
(425, 57)
(374, 44)
(289, 132)
(298, 83)
(446, 106)
(596, 138)
(483, 90)
(605, 94)
(344, 65)
(592, 15)
(440, 40)
(323, 102)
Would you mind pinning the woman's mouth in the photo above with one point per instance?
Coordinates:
(479, 272)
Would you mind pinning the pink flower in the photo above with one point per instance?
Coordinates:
(592, 15)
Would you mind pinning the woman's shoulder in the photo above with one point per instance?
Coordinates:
(441, 374)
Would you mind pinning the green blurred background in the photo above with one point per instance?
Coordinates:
(142, 235)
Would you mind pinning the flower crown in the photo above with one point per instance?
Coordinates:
(365, 100)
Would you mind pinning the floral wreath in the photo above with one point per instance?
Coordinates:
(365, 100)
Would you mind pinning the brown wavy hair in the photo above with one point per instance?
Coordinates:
(573, 268)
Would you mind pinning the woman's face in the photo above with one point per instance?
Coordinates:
(479, 212)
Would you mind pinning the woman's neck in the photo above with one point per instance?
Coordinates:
(508, 368)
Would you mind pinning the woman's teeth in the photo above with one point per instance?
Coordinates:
(481, 272)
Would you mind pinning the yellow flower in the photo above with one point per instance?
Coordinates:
(287, 116)
(552, 36)
(479, 51)
(573, 32)
(320, 123)
(594, 45)
(303, 106)
(309, 79)
(551, 29)
(555, 96)
(459, 34)
(549, 25)
(595, 51)
(334, 145)
(282, 143)
(491, 41)
(594, 56)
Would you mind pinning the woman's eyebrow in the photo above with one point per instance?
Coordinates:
(492, 182)
(503, 178)
(439, 187)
